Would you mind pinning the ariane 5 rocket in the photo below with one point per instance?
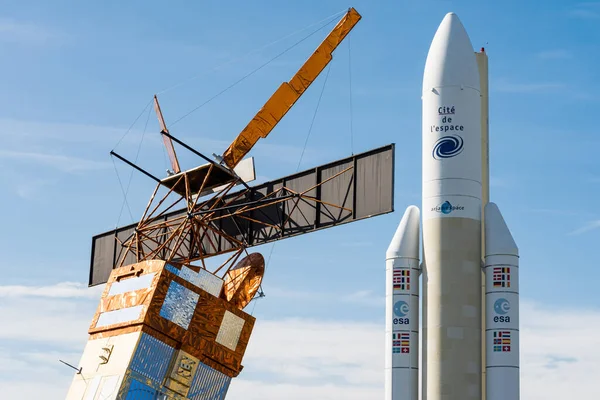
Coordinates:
(469, 268)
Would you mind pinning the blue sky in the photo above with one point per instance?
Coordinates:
(74, 76)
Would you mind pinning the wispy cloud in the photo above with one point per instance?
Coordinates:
(496, 182)
(60, 162)
(65, 290)
(25, 32)
(30, 188)
(555, 54)
(559, 212)
(329, 359)
(362, 297)
(541, 87)
(590, 226)
(587, 10)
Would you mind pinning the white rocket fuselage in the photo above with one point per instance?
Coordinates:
(402, 310)
(455, 164)
(451, 216)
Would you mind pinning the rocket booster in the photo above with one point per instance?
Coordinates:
(402, 310)
(454, 166)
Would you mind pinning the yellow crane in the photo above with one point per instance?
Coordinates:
(289, 92)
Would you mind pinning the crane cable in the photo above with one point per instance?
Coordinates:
(137, 155)
(249, 74)
(257, 50)
(312, 122)
(332, 18)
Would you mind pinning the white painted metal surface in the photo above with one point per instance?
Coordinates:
(402, 310)
(452, 165)
(502, 314)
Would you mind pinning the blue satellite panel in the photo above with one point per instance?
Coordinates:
(179, 305)
(208, 384)
(152, 358)
(140, 391)
(202, 279)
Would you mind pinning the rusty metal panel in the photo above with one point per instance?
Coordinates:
(357, 187)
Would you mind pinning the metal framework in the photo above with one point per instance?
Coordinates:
(350, 189)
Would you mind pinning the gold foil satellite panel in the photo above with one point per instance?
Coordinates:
(129, 288)
(230, 330)
(243, 281)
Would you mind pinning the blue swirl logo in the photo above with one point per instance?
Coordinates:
(502, 306)
(447, 147)
(446, 207)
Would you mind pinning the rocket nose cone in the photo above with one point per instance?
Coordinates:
(405, 242)
(451, 58)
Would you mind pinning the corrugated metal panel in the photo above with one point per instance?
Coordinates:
(103, 258)
(203, 279)
(208, 384)
(152, 358)
(179, 305)
(374, 184)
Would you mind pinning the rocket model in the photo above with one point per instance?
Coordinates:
(470, 260)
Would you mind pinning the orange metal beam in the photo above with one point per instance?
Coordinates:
(289, 92)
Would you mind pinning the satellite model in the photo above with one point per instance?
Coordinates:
(167, 327)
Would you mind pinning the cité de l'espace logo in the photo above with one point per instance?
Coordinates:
(447, 147)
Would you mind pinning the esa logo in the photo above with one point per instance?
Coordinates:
(502, 307)
(401, 310)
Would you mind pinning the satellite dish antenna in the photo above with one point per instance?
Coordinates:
(243, 281)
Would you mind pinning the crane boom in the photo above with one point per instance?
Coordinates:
(166, 140)
(289, 92)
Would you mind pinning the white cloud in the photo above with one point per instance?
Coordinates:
(24, 32)
(587, 10)
(590, 226)
(60, 290)
(362, 297)
(57, 161)
(290, 358)
(541, 87)
(555, 54)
